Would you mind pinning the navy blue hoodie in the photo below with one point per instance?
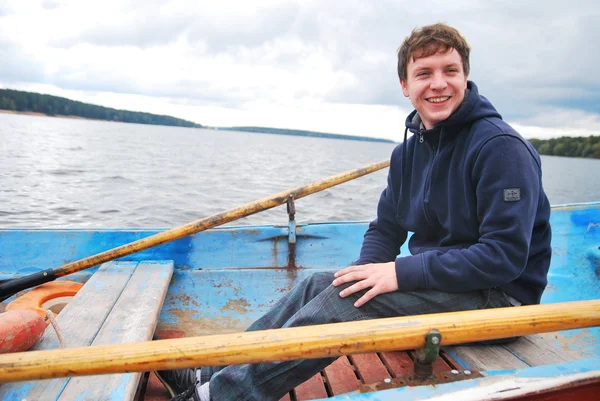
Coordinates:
(470, 190)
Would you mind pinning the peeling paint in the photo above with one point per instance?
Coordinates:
(190, 326)
(184, 300)
(237, 305)
(576, 342)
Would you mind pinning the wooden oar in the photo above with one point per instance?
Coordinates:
(12, 286)
(400, 333)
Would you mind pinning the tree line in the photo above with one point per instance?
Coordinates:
(59, 106)
(569, 146)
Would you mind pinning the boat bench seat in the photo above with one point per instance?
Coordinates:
(120, 303)
(528, 351)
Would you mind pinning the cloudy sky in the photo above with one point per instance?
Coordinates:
(318, 65)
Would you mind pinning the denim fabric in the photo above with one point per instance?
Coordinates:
(316, 301)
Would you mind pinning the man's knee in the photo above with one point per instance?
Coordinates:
(319, 281)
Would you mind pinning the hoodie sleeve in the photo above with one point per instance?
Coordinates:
(507, 179)
(384, 237)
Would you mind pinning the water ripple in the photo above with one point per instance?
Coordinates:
(63, 171)
(64, 210)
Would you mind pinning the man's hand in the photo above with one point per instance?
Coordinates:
(381, 277)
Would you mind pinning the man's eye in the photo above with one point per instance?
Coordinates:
(423, 73)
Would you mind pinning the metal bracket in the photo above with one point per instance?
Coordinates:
(291, 210)
(437, 378)
(427, 355)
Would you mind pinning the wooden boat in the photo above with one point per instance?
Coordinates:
(201, 291)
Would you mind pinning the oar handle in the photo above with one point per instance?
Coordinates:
(9, 288)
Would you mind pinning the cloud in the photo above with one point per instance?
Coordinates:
(50, 5)
(18, 66)
(528, 59)
(141, 29)
(4, 11)
(561, 119)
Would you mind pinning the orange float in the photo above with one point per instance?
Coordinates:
(48, 296)
(24, 321)
(20, 330)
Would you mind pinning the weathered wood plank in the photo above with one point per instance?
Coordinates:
(531, 350)
(541, 349)
(370, 368)
(312, 389)
(485, 357)
(133, 319)
(79, 321)
(341, 377)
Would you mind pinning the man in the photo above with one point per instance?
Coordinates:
(465, 183)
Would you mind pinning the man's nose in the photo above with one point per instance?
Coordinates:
(438, 82)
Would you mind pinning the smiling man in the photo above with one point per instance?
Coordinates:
(467, 186)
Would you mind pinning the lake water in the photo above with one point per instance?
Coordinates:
(79, 173)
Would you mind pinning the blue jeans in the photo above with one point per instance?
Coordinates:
(316, 301)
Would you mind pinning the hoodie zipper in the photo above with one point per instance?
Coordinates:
(434, 149)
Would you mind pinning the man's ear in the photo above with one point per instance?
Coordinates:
(404, 88)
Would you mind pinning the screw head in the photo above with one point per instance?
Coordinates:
(387, 381)
(435, 340)
(467, 372)
(454, 371)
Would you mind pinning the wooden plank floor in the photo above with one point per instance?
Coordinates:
(346, 374)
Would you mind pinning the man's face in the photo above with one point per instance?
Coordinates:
(435, 85)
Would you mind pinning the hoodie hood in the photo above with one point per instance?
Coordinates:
(473, 107)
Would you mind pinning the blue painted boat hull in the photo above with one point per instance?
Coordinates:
(226, 278)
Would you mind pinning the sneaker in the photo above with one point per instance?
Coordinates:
(177, 381)
(187, 395)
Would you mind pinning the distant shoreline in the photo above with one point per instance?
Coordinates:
(36, 114)
(37, 104)
(255, 130)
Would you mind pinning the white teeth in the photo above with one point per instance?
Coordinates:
(438, 99)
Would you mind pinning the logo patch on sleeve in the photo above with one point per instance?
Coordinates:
(512, 194)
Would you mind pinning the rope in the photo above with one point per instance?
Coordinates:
(50, 316)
